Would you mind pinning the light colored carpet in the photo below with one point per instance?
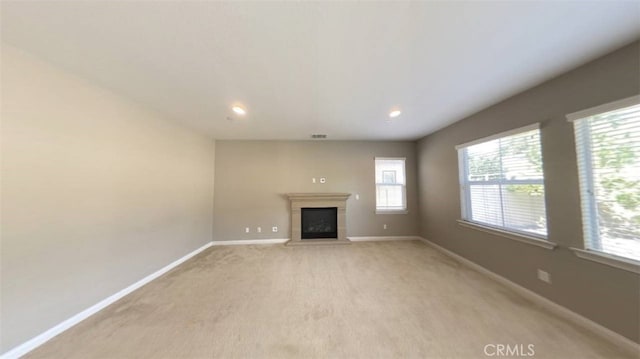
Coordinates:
(367, 300)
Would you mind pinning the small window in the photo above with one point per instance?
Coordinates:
(502, 183)
(391, 194)
(608, 151)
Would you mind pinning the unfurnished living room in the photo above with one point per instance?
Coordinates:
(320, 179)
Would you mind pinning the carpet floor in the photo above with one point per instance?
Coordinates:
(399, 299)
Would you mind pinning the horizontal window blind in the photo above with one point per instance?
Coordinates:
(608, 152)
(502, 182)
(390, 184)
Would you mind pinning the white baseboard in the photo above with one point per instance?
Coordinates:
(384, 238)
(240, 242)
(557, 309)
(47, 335)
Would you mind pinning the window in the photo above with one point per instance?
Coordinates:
(502, 183)
(608, 150)
(391, 193)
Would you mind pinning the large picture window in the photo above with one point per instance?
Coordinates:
(391, 194)
(502, 182)
(608, 152)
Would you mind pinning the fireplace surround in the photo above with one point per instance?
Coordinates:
(315, 202)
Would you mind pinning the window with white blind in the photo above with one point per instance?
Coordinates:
(391, 193)
(502, 182)
(608, 149)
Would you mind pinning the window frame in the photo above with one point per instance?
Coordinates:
(592, 248)
(403, 187)
(465, 192)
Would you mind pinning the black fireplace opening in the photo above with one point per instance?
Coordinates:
(319, 223)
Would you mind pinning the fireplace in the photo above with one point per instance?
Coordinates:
(318, 218)
(319, 223)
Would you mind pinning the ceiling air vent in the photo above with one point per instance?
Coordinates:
(318, 136)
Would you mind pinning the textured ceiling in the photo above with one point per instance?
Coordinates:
(318, 67)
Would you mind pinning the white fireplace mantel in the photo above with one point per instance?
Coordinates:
(318, 200)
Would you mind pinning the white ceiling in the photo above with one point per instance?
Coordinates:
(319, 67)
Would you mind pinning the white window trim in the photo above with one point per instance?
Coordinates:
(404, 210)
(607, 107)
(611, 260)
(516, 236)
(529, 238)
(594, 254)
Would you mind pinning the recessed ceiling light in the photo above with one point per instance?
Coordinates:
(239, 110)
(395, 113)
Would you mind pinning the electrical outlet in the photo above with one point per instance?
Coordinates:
(259, 229)
(384, 226)
(274, 229)
(544, 276)
(357, 196)
(247, 230)
(323, 180)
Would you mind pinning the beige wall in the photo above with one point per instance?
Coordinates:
(96, 194)
(253, 176)
(604, 294)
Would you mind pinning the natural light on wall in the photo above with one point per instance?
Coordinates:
(391, 194)
(502, 182)
(608, 149)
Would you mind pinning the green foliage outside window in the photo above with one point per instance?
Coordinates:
(614, 159)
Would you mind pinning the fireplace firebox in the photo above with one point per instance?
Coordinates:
(318, 223)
